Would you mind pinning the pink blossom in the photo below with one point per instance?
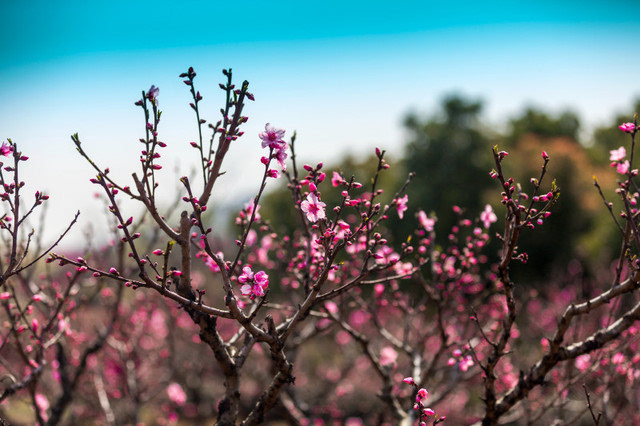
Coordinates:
(255, 284)
(247, 275)
(176, 394)
(627, 127)
(272, 137)
(617, 154)
(401, 205)
(43, 405)
(583, 362)
(213, 266)
(385, 255)
(388, 356)
(426, 222)
(280, 154)
(5, 295)
(422, 395)
(337, 179)
(409, 380)
(487, 217)
(5, 149)
(313, 208)
(623, 167)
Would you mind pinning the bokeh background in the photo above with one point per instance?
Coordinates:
(434, 82)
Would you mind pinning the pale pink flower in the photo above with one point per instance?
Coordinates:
(272, 137)
(617, 154)
(388, 356)
(5, 295)
(426, 222)
(627, 127)
(583, 362)
(281, 155)
(5, 149)
(43, 405)
(401, 205)
(176, 394)
(153, 92)
(313, 208)
(487, 217)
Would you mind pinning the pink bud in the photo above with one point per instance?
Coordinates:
(407, 380)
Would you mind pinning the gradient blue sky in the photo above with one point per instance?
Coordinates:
(342, 74)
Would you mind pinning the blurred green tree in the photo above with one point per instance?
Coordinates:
(450, 154)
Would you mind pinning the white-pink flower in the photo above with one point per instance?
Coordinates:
(272, 137)
(617, 154)
(176, 394)
(401, 205)
(313, 208)
(487, 217)
(153, 92)
(388, 356)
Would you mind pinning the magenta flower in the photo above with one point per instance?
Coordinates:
(337, 179)
(409, 380)
(627, 127)
(5, 149)
(313, 208)
(487, 217)
(273, 173)
(617, 154)
(272, 137)
(254, 284)
(401, 205)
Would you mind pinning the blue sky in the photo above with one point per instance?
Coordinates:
(343, 74)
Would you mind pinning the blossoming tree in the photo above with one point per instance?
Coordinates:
(329, 322)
